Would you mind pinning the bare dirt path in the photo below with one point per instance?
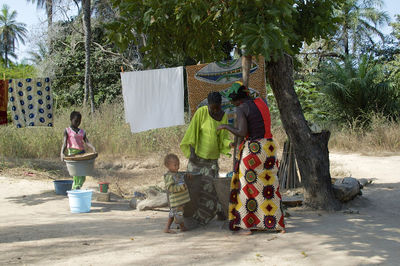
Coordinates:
(36, 228)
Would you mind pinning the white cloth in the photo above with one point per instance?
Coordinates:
(153, 98)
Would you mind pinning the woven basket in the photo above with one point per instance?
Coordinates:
(81, 157)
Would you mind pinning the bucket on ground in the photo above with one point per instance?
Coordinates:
(103, 187)
(80, 168)
(80, 200)
(61, 186)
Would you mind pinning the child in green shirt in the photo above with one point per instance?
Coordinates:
(178, 193)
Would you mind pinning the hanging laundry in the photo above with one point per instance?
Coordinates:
(3, 101)
(153, 98)
(31, 102)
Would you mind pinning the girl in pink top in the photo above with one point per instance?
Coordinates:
(74, 140)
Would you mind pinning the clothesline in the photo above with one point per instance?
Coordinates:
(78, 75)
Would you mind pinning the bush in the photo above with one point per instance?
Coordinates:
(357, 89)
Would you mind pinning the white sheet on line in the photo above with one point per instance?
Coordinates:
(153, 98)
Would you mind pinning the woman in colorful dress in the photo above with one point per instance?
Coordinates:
(203, 144)
(255, 201)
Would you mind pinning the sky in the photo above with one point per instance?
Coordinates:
(35, 20)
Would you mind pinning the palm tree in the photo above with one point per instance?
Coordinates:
(38, 55)
(48, 5)
(356, 89)
(360, 21)
(88, 35)
(11, 32)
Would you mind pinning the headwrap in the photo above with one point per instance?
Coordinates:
(234, 89)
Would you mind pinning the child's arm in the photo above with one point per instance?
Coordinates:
(89, 144)
(64, 145)
(171, 186)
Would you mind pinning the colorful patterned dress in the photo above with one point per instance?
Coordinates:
(255, 201)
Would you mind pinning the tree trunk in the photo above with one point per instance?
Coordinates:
(311, 149)
(6, 52)
(49, 12)
(346, 40)
(87, 30)
(246, 65)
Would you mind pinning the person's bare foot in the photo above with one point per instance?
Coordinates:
(169, 231)
(184, 229)
(282, 231)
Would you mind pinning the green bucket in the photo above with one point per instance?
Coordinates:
(103, 186)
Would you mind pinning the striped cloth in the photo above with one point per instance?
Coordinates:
(178, 193)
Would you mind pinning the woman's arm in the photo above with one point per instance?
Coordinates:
(241, 131)
(64, 145)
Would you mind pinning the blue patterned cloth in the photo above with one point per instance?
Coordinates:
(31, 102)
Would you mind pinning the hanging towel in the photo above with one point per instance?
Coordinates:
(153, 98)
(31, 102)
(3, 101)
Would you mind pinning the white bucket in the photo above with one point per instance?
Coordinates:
(80, 200)
(80, 168)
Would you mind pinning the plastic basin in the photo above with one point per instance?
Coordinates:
(80, 168)
(80, 200)
(61, 186)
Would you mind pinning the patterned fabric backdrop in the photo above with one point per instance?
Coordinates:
(219, 76)
(31, 102)
(3, 101)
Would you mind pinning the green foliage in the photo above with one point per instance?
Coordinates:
(68, 63)
(11, 32)
(358, 88)
(359, 23)
(396, 27)
(15, 71)
(394, 71)
(200, 28)
(311, 100)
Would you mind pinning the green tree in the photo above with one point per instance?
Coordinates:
(67, 64)
(396, 28)
(358, 88)
(274, 29)
(38, 55)
(11, 32)
(360, 20)
(48, 5)
(89, 95)
(393, 66)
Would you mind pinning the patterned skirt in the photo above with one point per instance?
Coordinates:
(207, 205)
(255, 201)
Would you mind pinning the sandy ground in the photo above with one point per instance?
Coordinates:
(37, 228)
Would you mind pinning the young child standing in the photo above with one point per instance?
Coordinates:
(178, 193)
(74, 140)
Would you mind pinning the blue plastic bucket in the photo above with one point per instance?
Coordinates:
(61, 186)
(80, 200)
